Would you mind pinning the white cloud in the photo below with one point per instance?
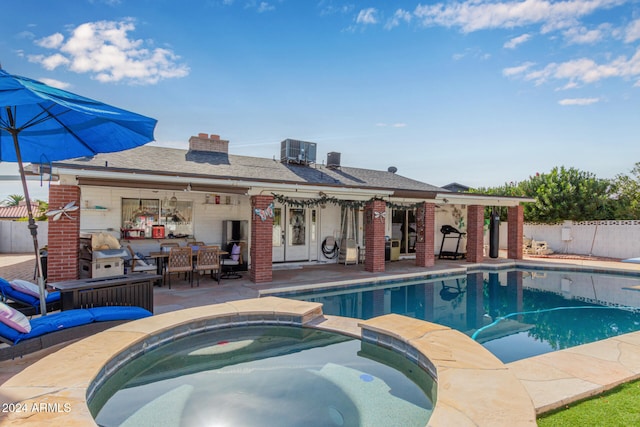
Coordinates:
(578, 101)
(51, 42)
(632, 32)
(586, 70)
(399, 16)
(581, 35)
(394, 125)
(105, 50)
(265, 7)
(50, 62)
(520, 69)
(514, 42)
(367, 16)
(482, 14)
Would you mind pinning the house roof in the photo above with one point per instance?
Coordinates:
(17, 212)
(185, 163)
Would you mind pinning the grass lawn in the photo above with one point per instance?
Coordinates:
(618, 407)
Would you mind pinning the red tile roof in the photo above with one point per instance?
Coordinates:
(16, 212)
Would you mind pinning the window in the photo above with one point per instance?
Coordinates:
(140, 215)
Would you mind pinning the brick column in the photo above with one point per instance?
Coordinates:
(261, 250)
(425, 224)
(515, 231)
(475, 233)
(374, 235)
(64, 235)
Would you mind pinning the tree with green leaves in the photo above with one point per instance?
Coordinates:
(626, 192)
(561, 194)
(566, 194)
(13, 200)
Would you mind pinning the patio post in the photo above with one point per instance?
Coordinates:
(425, 234)
(261, 250)
(475, 233)
(64, 235)
(374, 223)
(515, 231)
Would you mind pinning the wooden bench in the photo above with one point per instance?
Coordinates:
(135, 289)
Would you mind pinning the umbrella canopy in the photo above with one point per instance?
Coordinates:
(54, 124)
(39, 123)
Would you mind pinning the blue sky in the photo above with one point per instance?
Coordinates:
(477, 92)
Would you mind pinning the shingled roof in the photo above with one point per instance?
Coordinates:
(185, 163)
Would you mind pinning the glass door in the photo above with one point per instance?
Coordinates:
(403, 228)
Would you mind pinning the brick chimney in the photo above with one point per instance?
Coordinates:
(208, 143)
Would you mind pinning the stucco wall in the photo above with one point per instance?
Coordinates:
(612, 239)
(16, 238)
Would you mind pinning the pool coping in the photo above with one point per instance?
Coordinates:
(473, 387)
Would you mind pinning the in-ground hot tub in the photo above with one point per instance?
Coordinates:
(266, 376)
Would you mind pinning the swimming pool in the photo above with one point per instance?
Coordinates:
(515, 314)
(257, 375)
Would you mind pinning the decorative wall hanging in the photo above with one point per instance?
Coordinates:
(379, 215)
(324, 199)
(265, 213)
(56, 214)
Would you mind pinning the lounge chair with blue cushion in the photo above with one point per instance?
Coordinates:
(56, 328)
(27, 303)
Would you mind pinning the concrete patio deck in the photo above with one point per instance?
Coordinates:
(551, 380)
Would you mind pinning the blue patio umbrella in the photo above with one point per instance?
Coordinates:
(39, 123)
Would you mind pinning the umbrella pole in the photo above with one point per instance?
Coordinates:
(33, 227)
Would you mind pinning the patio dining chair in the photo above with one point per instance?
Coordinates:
(168, 245)
(231, 264)
(208, 258)
(139, 263)
(180, 261)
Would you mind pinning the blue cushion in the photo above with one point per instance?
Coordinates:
(70, 318)
(9, 333)
(21, 297)
(105, 314)
(53, 322)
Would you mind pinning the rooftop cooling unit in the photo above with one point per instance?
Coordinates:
(294, 151)
(333, 160)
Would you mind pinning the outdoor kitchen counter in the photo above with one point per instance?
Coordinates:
(135, 289)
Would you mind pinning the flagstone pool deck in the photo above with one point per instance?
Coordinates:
(474, 388)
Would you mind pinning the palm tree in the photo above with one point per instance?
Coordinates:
(13, 200)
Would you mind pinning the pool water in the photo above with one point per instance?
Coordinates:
(515, 314)
(266, 376)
